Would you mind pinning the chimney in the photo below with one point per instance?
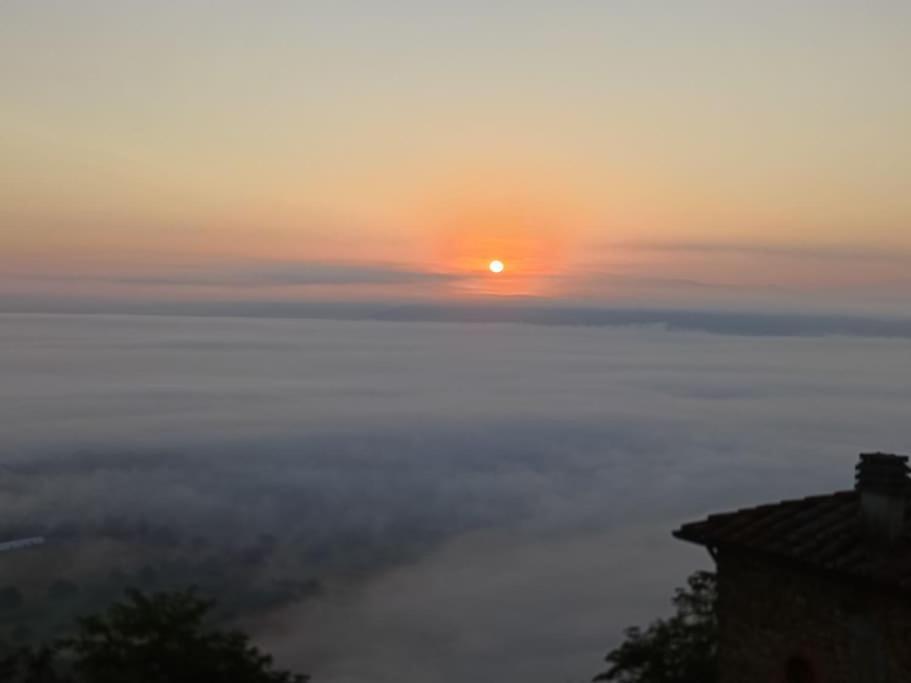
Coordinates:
(882, 482)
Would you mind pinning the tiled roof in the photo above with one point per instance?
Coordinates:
(822, 532)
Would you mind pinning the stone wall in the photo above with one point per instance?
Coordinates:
(773, 617)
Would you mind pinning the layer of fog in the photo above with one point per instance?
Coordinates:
(505, 492)
(791, 320)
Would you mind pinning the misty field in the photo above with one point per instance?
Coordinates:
(447, 499)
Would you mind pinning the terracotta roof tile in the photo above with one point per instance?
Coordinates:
(820, 531)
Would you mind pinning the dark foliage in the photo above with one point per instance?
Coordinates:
(680, 649)
(159, 638)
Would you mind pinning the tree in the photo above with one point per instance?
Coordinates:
(31, 665)
(680, 649)
(158, 638)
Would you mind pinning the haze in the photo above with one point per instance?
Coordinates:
(704, 154)
(252, 330)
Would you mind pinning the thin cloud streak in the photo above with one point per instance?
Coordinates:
(533, 312)
(816, 251)
(295, 274)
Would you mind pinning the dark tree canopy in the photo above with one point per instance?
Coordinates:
(159, 638)
(680, 649)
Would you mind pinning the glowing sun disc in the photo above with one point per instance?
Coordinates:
(496, 266)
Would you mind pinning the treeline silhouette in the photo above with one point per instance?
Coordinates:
(82, 569)
(680, 649)
(146, 638)
(171, 637)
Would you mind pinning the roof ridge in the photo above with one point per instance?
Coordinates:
(820, 530)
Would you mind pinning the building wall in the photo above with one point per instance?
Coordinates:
(772, 617)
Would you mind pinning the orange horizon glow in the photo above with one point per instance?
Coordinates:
(601, 151)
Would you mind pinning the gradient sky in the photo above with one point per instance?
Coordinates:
(733, 154)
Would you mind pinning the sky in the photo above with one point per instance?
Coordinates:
(495, 500)
(732, 155)
(702, 209)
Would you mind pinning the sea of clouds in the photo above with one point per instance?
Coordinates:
(496, 500)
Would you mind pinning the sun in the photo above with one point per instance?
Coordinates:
(496, 266)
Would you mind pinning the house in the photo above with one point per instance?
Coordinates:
(816, 590)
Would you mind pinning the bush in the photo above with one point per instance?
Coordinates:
(159, 638)
(680, 649)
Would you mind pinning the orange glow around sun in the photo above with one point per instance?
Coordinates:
(517, 242)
